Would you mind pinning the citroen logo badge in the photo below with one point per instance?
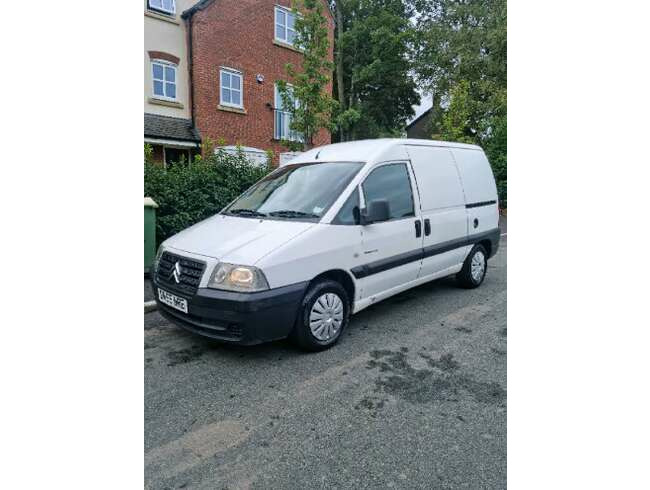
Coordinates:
(176, 272)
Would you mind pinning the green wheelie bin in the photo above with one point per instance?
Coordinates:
(149, 233)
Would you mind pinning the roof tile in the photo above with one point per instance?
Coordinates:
(165, 127)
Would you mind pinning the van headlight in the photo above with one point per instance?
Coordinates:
(241, 278)
(157, 259)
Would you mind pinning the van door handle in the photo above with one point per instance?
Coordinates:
(418, 229)
(427, 227)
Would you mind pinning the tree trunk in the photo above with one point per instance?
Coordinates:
(339, 62)
(352, 133)
(434, 118)
(309, 140)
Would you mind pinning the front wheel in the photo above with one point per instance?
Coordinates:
(324, 314)
(474, 268)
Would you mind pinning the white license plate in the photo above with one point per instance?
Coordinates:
(172, 300)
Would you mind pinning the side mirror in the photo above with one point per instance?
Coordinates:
(376, 212)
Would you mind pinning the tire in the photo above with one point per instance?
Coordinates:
(333, 301)
(465, 277)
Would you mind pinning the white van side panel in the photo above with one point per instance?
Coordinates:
(442, 202)
(476, 174)
(480, 190)
(437, 176)
(319, 249)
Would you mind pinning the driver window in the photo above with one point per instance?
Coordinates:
(391, 182)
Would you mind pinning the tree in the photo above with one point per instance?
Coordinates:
(461, 58)
(375, 88)
(307, 97)
(463, 40)
(455, 125)
(496, 149)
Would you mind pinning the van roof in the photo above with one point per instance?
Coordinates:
(368, 150)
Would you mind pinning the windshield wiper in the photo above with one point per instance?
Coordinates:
(246, 212)
(288, 213)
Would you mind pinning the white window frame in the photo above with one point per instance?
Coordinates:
(162, 8)
(291, 134)
(287, 12)
(232, 72)
(164, 64)
(278, 97)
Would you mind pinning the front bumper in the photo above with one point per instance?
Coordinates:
(241, 318)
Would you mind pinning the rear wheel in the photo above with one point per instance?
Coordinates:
(474, 269)
(324, 314)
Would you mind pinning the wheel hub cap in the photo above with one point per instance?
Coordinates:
(478, 266)
(326, 317)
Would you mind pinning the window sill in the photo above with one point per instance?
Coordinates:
(287, 141)
(287, 46)
(167, 18)
(166, 103)
(236, 110)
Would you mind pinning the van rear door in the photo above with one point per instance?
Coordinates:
(480, 190)
(443, 208)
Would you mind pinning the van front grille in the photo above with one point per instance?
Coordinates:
(189, 278)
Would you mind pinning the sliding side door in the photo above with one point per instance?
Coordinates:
(443, 209)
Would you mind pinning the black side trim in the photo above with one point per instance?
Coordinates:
(439, 248)
(386, 264)
(480, 204)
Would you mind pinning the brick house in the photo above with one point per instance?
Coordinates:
(236, 53)
(420, 127)
(168, 125)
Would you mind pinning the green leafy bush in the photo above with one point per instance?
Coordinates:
(496, 149)
(187, 193)
(490, 132)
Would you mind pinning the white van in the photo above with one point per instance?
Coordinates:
(342, 227)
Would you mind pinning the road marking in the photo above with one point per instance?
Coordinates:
(195, 448)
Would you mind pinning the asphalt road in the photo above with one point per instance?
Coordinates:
(413, 396)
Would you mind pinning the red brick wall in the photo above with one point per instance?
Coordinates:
(240, 35)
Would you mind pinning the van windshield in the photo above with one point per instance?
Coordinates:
(296, 192)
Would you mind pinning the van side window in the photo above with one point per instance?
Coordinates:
(391, 182)
(346, 214)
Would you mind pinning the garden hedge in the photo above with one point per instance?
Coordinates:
(189, 192)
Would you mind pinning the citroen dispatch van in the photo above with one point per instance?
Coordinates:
(338, 229)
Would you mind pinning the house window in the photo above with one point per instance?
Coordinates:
(283, 116)
(164, 79)
(231, 88)
(167, 6)
(176, 155)
(285, 30)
